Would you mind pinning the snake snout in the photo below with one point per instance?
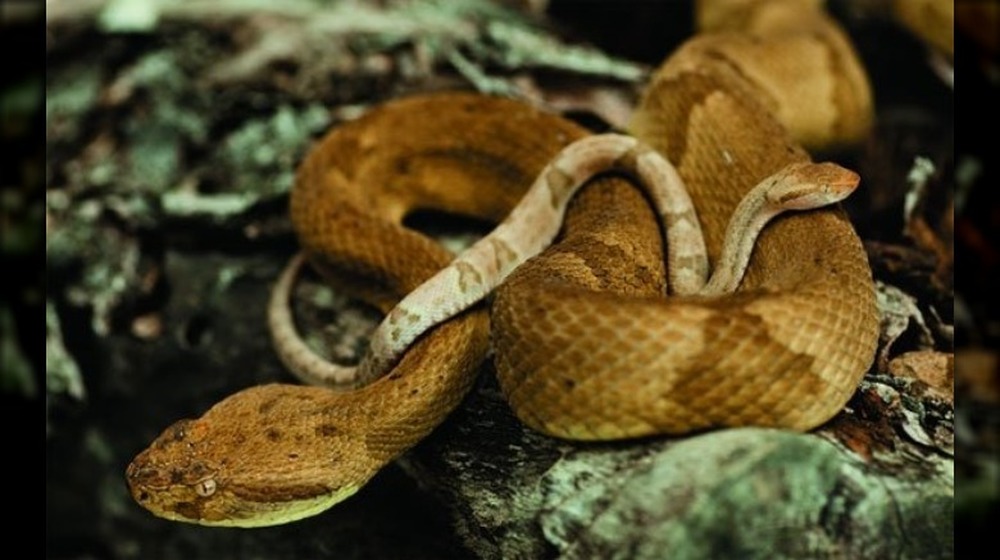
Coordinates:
(838, 181)
(145, 480)
(139, 478)
(811, 185)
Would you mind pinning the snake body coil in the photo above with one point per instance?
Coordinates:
(587, 346)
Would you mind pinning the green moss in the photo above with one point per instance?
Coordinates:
(261, 155)
(70, 92)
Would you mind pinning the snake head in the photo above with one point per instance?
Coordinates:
(804, 186)
(263, 456)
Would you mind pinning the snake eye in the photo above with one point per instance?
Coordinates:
(205, 488)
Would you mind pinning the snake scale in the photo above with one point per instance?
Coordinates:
(587, 346)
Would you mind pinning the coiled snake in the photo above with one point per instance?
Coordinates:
(587, 346)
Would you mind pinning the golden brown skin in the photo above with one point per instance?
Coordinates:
(587, 347)
(786, 350)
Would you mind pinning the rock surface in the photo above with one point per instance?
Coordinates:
(742, 493)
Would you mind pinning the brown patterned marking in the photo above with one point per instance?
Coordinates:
(327, 430)
(674, 218)
(792, 195)
(679, 95)
(467, 276)
(283, 493)
(273, 434)
(403, 166)
(686, 262)
(558, 182)
(468, 155)
(179, 430)
(190, 510)
(400, 314)
(267, 405)
(502, 254)
(794, 370)
(629, 161)
(396, 314)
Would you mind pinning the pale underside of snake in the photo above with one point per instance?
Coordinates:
(586, 344)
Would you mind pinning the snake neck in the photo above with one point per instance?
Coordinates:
(746, 223)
